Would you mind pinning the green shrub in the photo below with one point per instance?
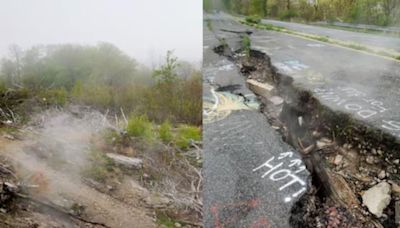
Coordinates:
(185, 134)
(165, 132)
(139, 126)
(54, 96)
(3, 87)
(287, 14)
(254, 19)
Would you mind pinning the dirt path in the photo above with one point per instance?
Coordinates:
(60, 183)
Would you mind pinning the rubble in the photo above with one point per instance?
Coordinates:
(338, 159)
(129, 162)
(370, 160)
(377, 198)
(276, 100)
(395, 188)
(323, 142)
(382, 174)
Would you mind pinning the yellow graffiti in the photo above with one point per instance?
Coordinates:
(223, 104)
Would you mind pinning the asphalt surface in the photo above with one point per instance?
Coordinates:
(362, 85)
(252, 178)
(349, 36)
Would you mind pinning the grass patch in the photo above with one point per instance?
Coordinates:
(254, 19)
(54, 96)
(321, 38)
(165, 132)
(357, 47)
(185, 134)
(398, 57)
(101, 167)
(165, 221)
(140, 126)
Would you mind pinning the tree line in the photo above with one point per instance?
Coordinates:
(375, 12)
(104, 77)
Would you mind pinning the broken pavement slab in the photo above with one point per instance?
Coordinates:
(261, 89)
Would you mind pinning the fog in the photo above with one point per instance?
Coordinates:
(143, 29)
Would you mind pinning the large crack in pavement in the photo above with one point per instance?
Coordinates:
(347, 158)
(252, 178)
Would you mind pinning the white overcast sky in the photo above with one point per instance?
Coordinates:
(144, 29)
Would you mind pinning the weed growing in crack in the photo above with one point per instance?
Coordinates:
(209, 24)
(246, 45)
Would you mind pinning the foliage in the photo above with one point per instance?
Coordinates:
(165, 221)
(54, 96)
(103, 77)
(167, 72)
(165, 132)
(246, 45)
(253, 19)
(207, 5)
(3, 87)
(173, 98)
(377, 12)
(185, 134)
(287, 14)
(140, 126)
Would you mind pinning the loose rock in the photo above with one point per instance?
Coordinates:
(377, 198)
(370, 160)
(338, 159)
(382, 174)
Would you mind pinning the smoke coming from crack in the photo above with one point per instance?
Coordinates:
(57, 148)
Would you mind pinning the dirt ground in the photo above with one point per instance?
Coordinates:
(61, 182)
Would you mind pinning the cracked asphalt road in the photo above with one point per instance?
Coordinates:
(337, 34)
(348, 81)
(252, 178)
